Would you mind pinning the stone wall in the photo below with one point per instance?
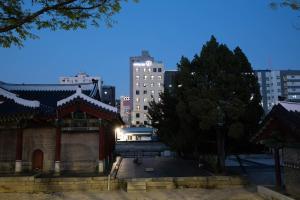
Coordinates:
(59, 184)
(7, 150)
(79, 151)
(32, 184)
(292, 171)
(39, 138)
(209, 182)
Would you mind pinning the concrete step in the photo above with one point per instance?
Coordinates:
(136, 186)
(154, 185)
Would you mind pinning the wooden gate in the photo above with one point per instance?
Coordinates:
(37, 160)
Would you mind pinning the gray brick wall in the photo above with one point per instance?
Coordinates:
(7, 150)
(292, 171)
(79, 151)
(39, 138)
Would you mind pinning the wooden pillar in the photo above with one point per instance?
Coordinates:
(101, 164)
(277, 168)
(57, 150)
(19, 150)
(112, 144)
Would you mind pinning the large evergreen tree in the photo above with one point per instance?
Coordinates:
(216, 101)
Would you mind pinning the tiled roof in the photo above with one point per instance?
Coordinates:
(43, 99)
(290, 106)
(18, 100)
(287, 117)
(79, 94)
(49, 94)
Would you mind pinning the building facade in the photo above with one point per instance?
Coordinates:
(146, 83)
(277, 85)
(55, 128)
(280, 130)
(108, 95)
(125, 109)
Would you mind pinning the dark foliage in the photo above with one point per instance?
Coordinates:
(216, 103)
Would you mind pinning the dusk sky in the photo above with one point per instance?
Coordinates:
(168, 29)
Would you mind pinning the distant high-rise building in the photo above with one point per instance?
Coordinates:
(125, 109)
(277, 85)
(146, 83)
(169, 78)
(108, 95)
(80, 78)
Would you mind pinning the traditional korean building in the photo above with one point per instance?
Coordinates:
(280, 130)
(54, 128)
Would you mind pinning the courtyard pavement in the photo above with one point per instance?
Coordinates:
(159, 167)
(175, 194)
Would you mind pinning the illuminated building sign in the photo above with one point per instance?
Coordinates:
(148, 63)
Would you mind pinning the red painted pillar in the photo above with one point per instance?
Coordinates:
(101, 143)
(19, 150)
(57, 150)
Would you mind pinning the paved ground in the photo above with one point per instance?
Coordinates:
(188, 194)
(259, 169)
(162, 167)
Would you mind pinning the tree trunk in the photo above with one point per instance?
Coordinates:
(221, 150)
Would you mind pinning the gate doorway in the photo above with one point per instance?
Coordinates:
(37, 160)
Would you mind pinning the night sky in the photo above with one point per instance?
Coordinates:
(168, 29)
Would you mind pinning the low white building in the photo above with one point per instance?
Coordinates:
(134, 134)
(81, 78)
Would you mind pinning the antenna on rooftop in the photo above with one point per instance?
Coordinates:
(270, 63)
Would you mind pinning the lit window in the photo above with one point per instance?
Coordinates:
(152, 84)
(152, 77)
(145, 84)
(144, 69)
(137, 84)
(137, 99)
(149, 69)
(159, 84)
(137, 69)
(145, 77)
(138, 108)
(159, 99)
(145, 99)
(137, 77)
(159, 77)
(152, 91)
(170, 85)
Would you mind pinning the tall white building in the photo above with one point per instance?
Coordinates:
(146, 83)
(80, 78)
(276, 84)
